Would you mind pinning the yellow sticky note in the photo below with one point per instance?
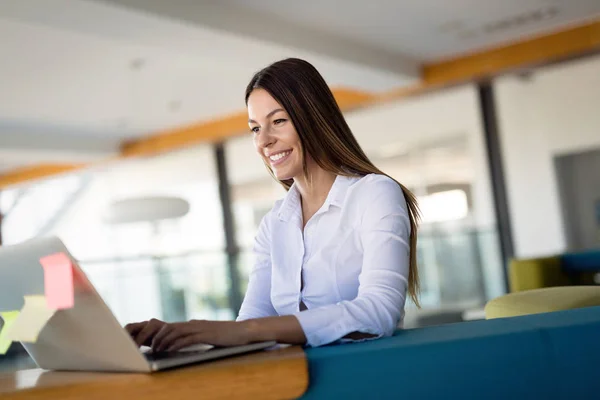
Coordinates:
(9, 319)
(31, 320)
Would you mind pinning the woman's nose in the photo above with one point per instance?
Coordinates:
(265, 139)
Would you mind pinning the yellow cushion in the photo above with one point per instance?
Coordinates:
(543, 300)
(536, 273)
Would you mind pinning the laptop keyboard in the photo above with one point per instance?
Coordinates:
(163, 355)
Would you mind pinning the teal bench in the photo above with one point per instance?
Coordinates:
(543, 356)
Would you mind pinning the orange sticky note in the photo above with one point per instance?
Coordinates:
(58, 281)
(31, 320)
(9, 319)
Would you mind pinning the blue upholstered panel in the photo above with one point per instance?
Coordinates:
(574, 337)
(537, 356)
(583, 261)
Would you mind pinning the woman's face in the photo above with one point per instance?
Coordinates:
(275, 137)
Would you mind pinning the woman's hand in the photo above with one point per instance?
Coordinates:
(162, 336)
(143, 332)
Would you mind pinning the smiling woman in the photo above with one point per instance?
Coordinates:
(336, 257)
(285, 159)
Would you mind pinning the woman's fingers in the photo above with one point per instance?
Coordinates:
(185, 341)
(146, 334)
(169, 333)
(135, 327)
(172, 337)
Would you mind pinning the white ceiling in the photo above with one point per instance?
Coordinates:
(427, 29)
(104, 73)
(79, 76)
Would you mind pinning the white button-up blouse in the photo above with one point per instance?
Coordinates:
(349, 265)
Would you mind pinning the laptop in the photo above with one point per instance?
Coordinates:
(86, 337)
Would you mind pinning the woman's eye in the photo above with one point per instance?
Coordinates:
(255, 129)
(279, 121)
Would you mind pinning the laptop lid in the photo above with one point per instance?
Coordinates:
(86, 337)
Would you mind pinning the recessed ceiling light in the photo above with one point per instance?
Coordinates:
(137, 63)
(174, 105)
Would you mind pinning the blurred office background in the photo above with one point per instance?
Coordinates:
(122, 132)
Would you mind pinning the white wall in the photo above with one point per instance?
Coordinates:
(553, 112)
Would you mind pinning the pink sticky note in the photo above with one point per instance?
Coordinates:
(58, 281)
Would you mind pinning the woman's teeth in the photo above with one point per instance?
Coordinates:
(279, 156)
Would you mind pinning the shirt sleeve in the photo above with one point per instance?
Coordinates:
(257, 301)
(383, 281)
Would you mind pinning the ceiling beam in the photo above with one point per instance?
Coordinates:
(177, 138)
(540, 50)
(36, 172)
(247, 22)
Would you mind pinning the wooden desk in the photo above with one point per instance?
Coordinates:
(275, 374)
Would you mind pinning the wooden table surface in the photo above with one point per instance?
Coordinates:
(273, 374)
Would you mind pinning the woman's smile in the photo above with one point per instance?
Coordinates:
(279, 157)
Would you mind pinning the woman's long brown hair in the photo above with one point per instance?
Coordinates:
(325, 135)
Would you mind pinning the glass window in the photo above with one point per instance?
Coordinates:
(449, 205)
(169, 268)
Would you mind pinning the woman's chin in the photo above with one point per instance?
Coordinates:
(282, 175)
(285, 173)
